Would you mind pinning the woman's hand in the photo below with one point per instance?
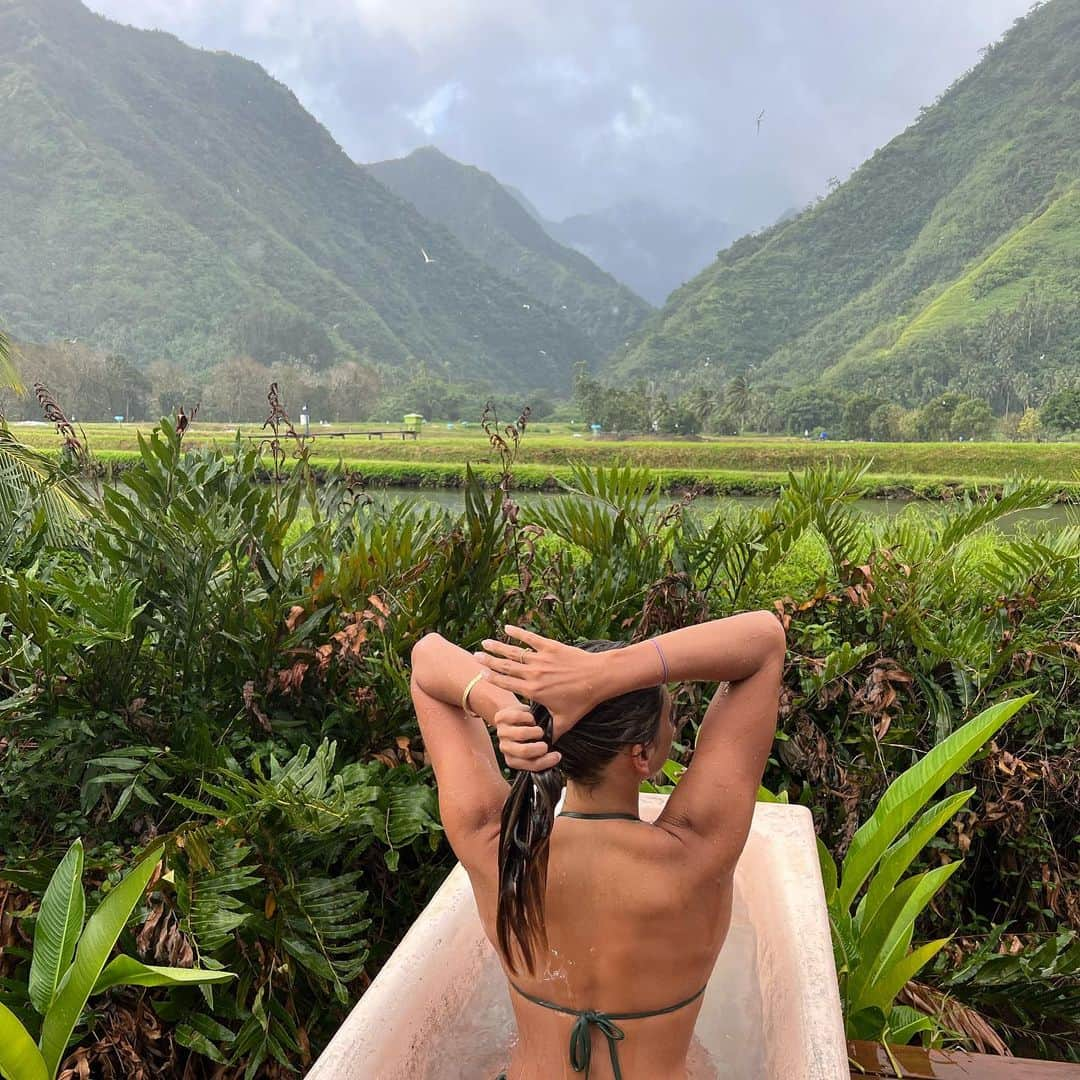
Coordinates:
(521, 740)
(564, 679)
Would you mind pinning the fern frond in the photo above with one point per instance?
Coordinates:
(324, 921)
(209, 891)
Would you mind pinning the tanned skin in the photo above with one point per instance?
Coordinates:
(636, 914)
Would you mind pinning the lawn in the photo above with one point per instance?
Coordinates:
(750, 464)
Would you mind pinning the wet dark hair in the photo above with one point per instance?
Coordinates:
(529, 812)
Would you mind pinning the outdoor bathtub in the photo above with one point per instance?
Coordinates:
(439, 1008)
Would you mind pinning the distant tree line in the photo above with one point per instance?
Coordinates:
(94, 385)
(738, 407)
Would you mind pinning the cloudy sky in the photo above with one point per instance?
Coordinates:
(583, 103)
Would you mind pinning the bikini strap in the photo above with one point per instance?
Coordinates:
(599, 817)
(581, 1035)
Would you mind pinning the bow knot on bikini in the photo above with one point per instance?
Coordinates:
(581, 1041)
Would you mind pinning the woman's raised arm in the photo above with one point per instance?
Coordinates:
(457, 744)
(715, 797)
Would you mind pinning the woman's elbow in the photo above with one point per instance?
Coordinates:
(769, 633)
(423, 653)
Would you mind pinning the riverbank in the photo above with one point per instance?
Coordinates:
(746, 465)
(544, 477)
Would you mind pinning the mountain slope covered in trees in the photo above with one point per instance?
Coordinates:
(492, 224)
(949, 260)
(163, 201)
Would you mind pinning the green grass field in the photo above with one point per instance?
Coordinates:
(723, 465)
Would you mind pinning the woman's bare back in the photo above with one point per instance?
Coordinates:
(633, 925)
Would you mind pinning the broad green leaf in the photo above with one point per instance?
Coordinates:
(828, 871)
(901, 854)
(59, 923)
(187, 1036)
(908, 793)
(867, 1024)
(845, 947)
(896, 978)
(889, 932)
(765, 795)
(905, 1023)
(20, 1059)
(127, 971)
(97, 941)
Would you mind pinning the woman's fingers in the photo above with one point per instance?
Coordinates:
(506, 667)
(520, 764)
(534, 641)
(503, 649)
(507, 682)
(526, 751)
(521, 733)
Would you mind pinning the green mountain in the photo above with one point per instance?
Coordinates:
(653, 248)
(950, 259)
(159, 200)
(491, 222)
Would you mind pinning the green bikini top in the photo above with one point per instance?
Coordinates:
(581, 1033)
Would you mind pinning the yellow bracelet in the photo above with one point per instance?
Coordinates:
(468, 690)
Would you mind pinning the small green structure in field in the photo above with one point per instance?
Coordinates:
(413, 422)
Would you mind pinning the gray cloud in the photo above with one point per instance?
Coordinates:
(582, 105)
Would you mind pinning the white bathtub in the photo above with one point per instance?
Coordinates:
(439, 1009)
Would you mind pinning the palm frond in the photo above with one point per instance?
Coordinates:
(35, 489)
(9, 374)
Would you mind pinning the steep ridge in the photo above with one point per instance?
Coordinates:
(943, 257)
(152, 195)
(491, 222)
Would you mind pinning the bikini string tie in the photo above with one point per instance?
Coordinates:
(581, 1041)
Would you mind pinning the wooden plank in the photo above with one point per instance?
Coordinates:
(869, 1061)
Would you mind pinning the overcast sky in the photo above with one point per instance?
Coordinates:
(583, 103)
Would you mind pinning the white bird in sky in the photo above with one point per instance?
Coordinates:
(427, 257)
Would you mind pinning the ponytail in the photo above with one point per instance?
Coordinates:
(527, 819)
(529, 812)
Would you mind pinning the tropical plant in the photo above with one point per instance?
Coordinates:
(222, 661)
(273, 883)
(9, 375)
(70, 962)
(37, 493)
(1031, 992)
(872, 934)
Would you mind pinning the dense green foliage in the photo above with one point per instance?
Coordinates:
(496, 228)
(220, 664)
(640, 407)
(947, 261)
(70, 962)
(203, 213)
(872, 937)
